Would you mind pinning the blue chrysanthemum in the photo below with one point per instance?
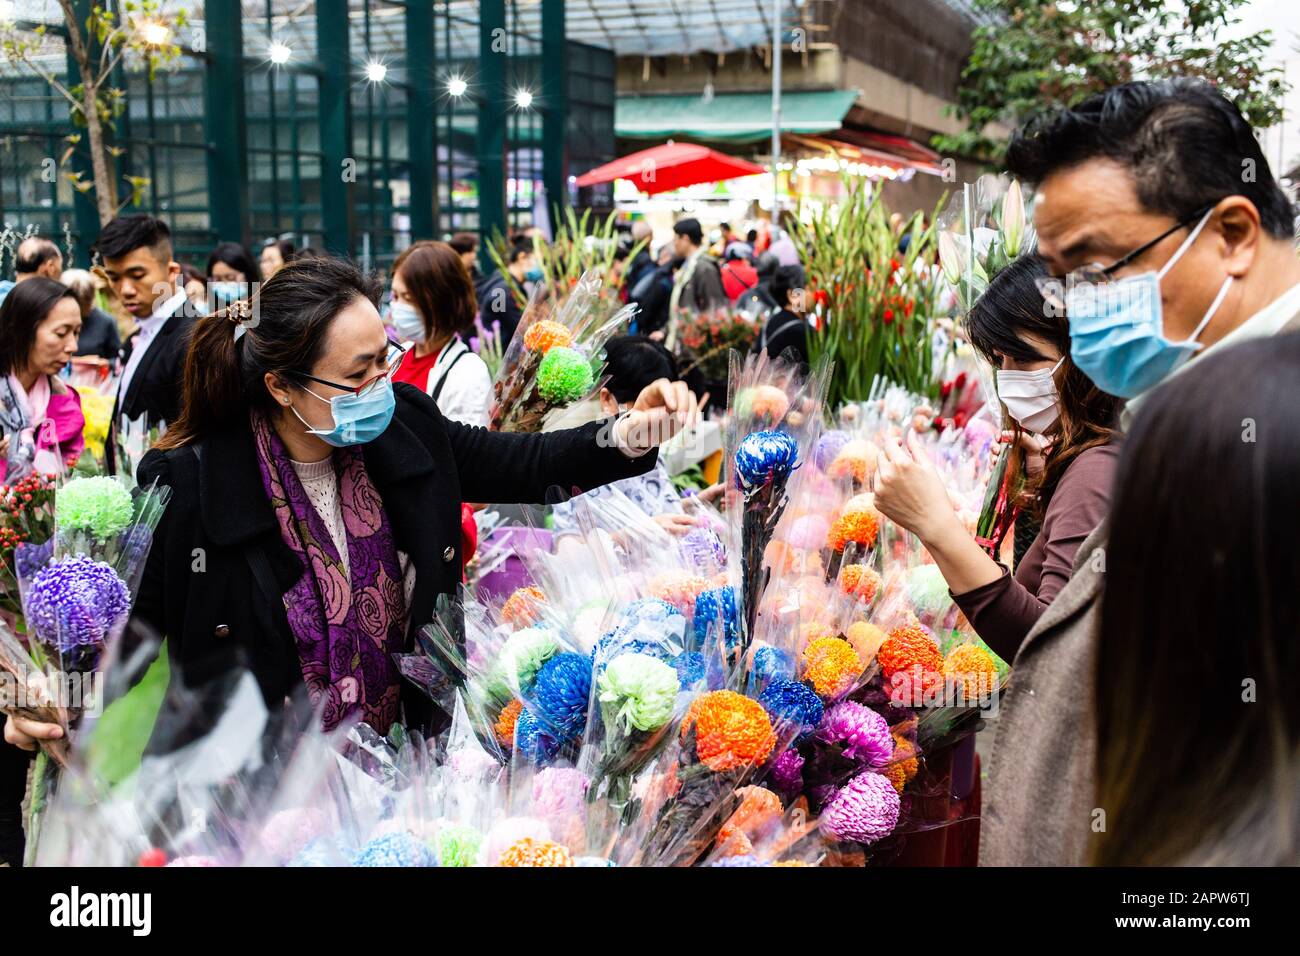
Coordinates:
(76, 603)
(323, 851)
(765, 456)
(717, 608)
(532, 740)
(794, 703)
(690, 668)
(771, 663)
(648, 609)
(560, 694)
(30, 558)
(394, 849)
(744, 860)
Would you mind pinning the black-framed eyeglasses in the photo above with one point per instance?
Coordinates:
(1109, 270)
(394, 359)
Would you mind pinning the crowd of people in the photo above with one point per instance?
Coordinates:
(1143, 354)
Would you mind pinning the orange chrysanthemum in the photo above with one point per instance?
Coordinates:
(504, 728)
(523, 607)
(866, 639)
(678, 588)
(784, 558)
(856, 460)
(758, 806)
(905, 756)
(530, 852)
(814, 631)
(731, 730)
(970, 667)
(791, 863)
(859, 525)
(907, 647)
(830, 664)
(860, 581)
(769, 402)
(545, 335)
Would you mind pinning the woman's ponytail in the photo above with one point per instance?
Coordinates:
(213, 384)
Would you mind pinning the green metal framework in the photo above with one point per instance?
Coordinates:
(356, 141)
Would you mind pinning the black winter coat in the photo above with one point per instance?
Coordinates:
(201, 591)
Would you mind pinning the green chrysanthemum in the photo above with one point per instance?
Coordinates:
(458, 846)
(521, 657)
(638, 691)
(101, 506)
(564, 376)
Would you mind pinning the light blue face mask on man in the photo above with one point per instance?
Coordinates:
(1117, 328)
(358, 419)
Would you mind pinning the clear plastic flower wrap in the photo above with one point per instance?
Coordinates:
(555, 357)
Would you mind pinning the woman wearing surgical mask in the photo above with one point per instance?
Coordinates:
(315, 512)
(1055, 414)
(433, 304)
(232, 273)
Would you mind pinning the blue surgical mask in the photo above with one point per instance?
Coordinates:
(534, 274)
(407, 322)
(1117, 329)
(224, 293)
(358, 419)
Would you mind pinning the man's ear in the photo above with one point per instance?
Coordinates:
(1237, 222)
(608, 403)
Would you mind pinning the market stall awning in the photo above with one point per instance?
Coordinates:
(872, 149)
(734, 117)
(671, 166)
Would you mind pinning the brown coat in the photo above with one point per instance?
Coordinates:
(1039, 800)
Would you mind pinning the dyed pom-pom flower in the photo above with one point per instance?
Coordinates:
(678, 588)
(523, 607)
(793, 702)
(765, 402)
(808, 533)
(504, 728)
(521, 657)
(758, 808)
(530, 852)
(290, 830)
(859, 581)
(765, 456)
(321, 852)
(861, 732)
(828, 448)
(830, 664)
(547, 334)
(564, 376)
(745, 859)
(394, 849)
(76, 603)
(771, 663)
(716, 610)
(787, 772)
(857, 525)
(704, 550)
(908, 647)
(457, 846)
(689, 666)
(864, 810)
(856, 460)
(532, 739)
(927, 589)
(971, 668)
(731, 730)
(102, 506)
(558, 791)
(560, 694)
(638, 692)
(866, 639)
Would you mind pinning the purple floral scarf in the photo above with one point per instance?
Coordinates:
(346, 633)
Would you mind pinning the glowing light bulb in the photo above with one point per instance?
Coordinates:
(375, 72)
(279, 53)
(457, 86)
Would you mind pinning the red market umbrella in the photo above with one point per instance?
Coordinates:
(671, 166)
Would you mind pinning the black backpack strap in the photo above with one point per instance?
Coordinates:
(437, 389)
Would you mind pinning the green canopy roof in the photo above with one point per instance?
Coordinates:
(737, 117)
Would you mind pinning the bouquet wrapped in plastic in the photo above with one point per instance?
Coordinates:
(554, 358)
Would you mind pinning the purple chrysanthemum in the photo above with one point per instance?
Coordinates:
(862, 732)
(828, 446)
(787, 772)
(865, 810)
(704, 550)
(76, 603)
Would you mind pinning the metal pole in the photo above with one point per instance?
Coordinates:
(776, 109)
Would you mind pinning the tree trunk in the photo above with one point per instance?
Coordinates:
(102, 165)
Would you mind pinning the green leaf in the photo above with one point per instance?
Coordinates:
(117, 743)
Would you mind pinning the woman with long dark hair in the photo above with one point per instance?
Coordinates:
(40, 415)
(1045, 395)
(1198, 648)
(315, 510)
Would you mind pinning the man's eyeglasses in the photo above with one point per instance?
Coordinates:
(394, 359)
(1053, 287)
